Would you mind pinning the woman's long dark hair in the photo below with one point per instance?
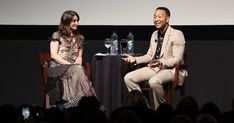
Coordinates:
(64, 27)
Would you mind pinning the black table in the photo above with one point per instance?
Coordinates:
(107, 76)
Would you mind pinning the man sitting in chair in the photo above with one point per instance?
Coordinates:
(164, 54)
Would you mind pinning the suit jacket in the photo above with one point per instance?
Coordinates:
(172, 52)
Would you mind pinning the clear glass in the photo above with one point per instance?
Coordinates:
(107, 44)
(123, 44)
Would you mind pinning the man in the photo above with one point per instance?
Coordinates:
(165, 52)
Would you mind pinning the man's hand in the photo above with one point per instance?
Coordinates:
(128, 58)
(154, 63)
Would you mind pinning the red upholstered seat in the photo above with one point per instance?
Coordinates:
(44, 59)
(171, 86)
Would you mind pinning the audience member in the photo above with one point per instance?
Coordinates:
(132, 114)
(54, 115)
(136, 98)
(164, 113)
(206, 118)
(187, 106)
(181, 119)
(8, 113)
(89, 110)
(227, 117)
(210, 108)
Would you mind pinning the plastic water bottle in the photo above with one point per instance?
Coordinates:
(130, 39)
(114, 46)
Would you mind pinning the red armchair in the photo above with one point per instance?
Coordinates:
(44, 58)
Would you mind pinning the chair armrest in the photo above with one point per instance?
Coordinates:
(176, 78)
(88, 69)
(182, 66)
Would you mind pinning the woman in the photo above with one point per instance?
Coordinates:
(66, 51)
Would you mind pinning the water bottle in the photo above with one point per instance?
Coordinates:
(114, 46)
(130, 39)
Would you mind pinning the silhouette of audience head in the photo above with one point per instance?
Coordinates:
(227, 117)
(135, 110)
(206, 118)
(164, 113)
(54, 115)
(187, 106)
(125, 115)
(181, 118)
(210, 108)
(136, 98)
(132, 114)
(89, 104)
(88, 111)
(8, 113)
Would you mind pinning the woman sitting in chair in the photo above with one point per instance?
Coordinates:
(66, 51)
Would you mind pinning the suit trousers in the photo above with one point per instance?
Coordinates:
(156, 79)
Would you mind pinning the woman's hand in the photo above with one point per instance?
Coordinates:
(78, 61)
(54, 46)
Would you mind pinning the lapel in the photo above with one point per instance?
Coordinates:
(165, 41)
(155, 43)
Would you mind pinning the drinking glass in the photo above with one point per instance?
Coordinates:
(123, 44)
(107, 44)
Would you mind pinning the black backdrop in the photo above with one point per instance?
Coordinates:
(210, 53)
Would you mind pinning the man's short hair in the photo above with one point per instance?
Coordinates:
(167, 11)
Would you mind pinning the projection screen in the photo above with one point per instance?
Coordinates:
(116, 12)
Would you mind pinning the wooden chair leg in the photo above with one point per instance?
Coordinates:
(168, 96)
